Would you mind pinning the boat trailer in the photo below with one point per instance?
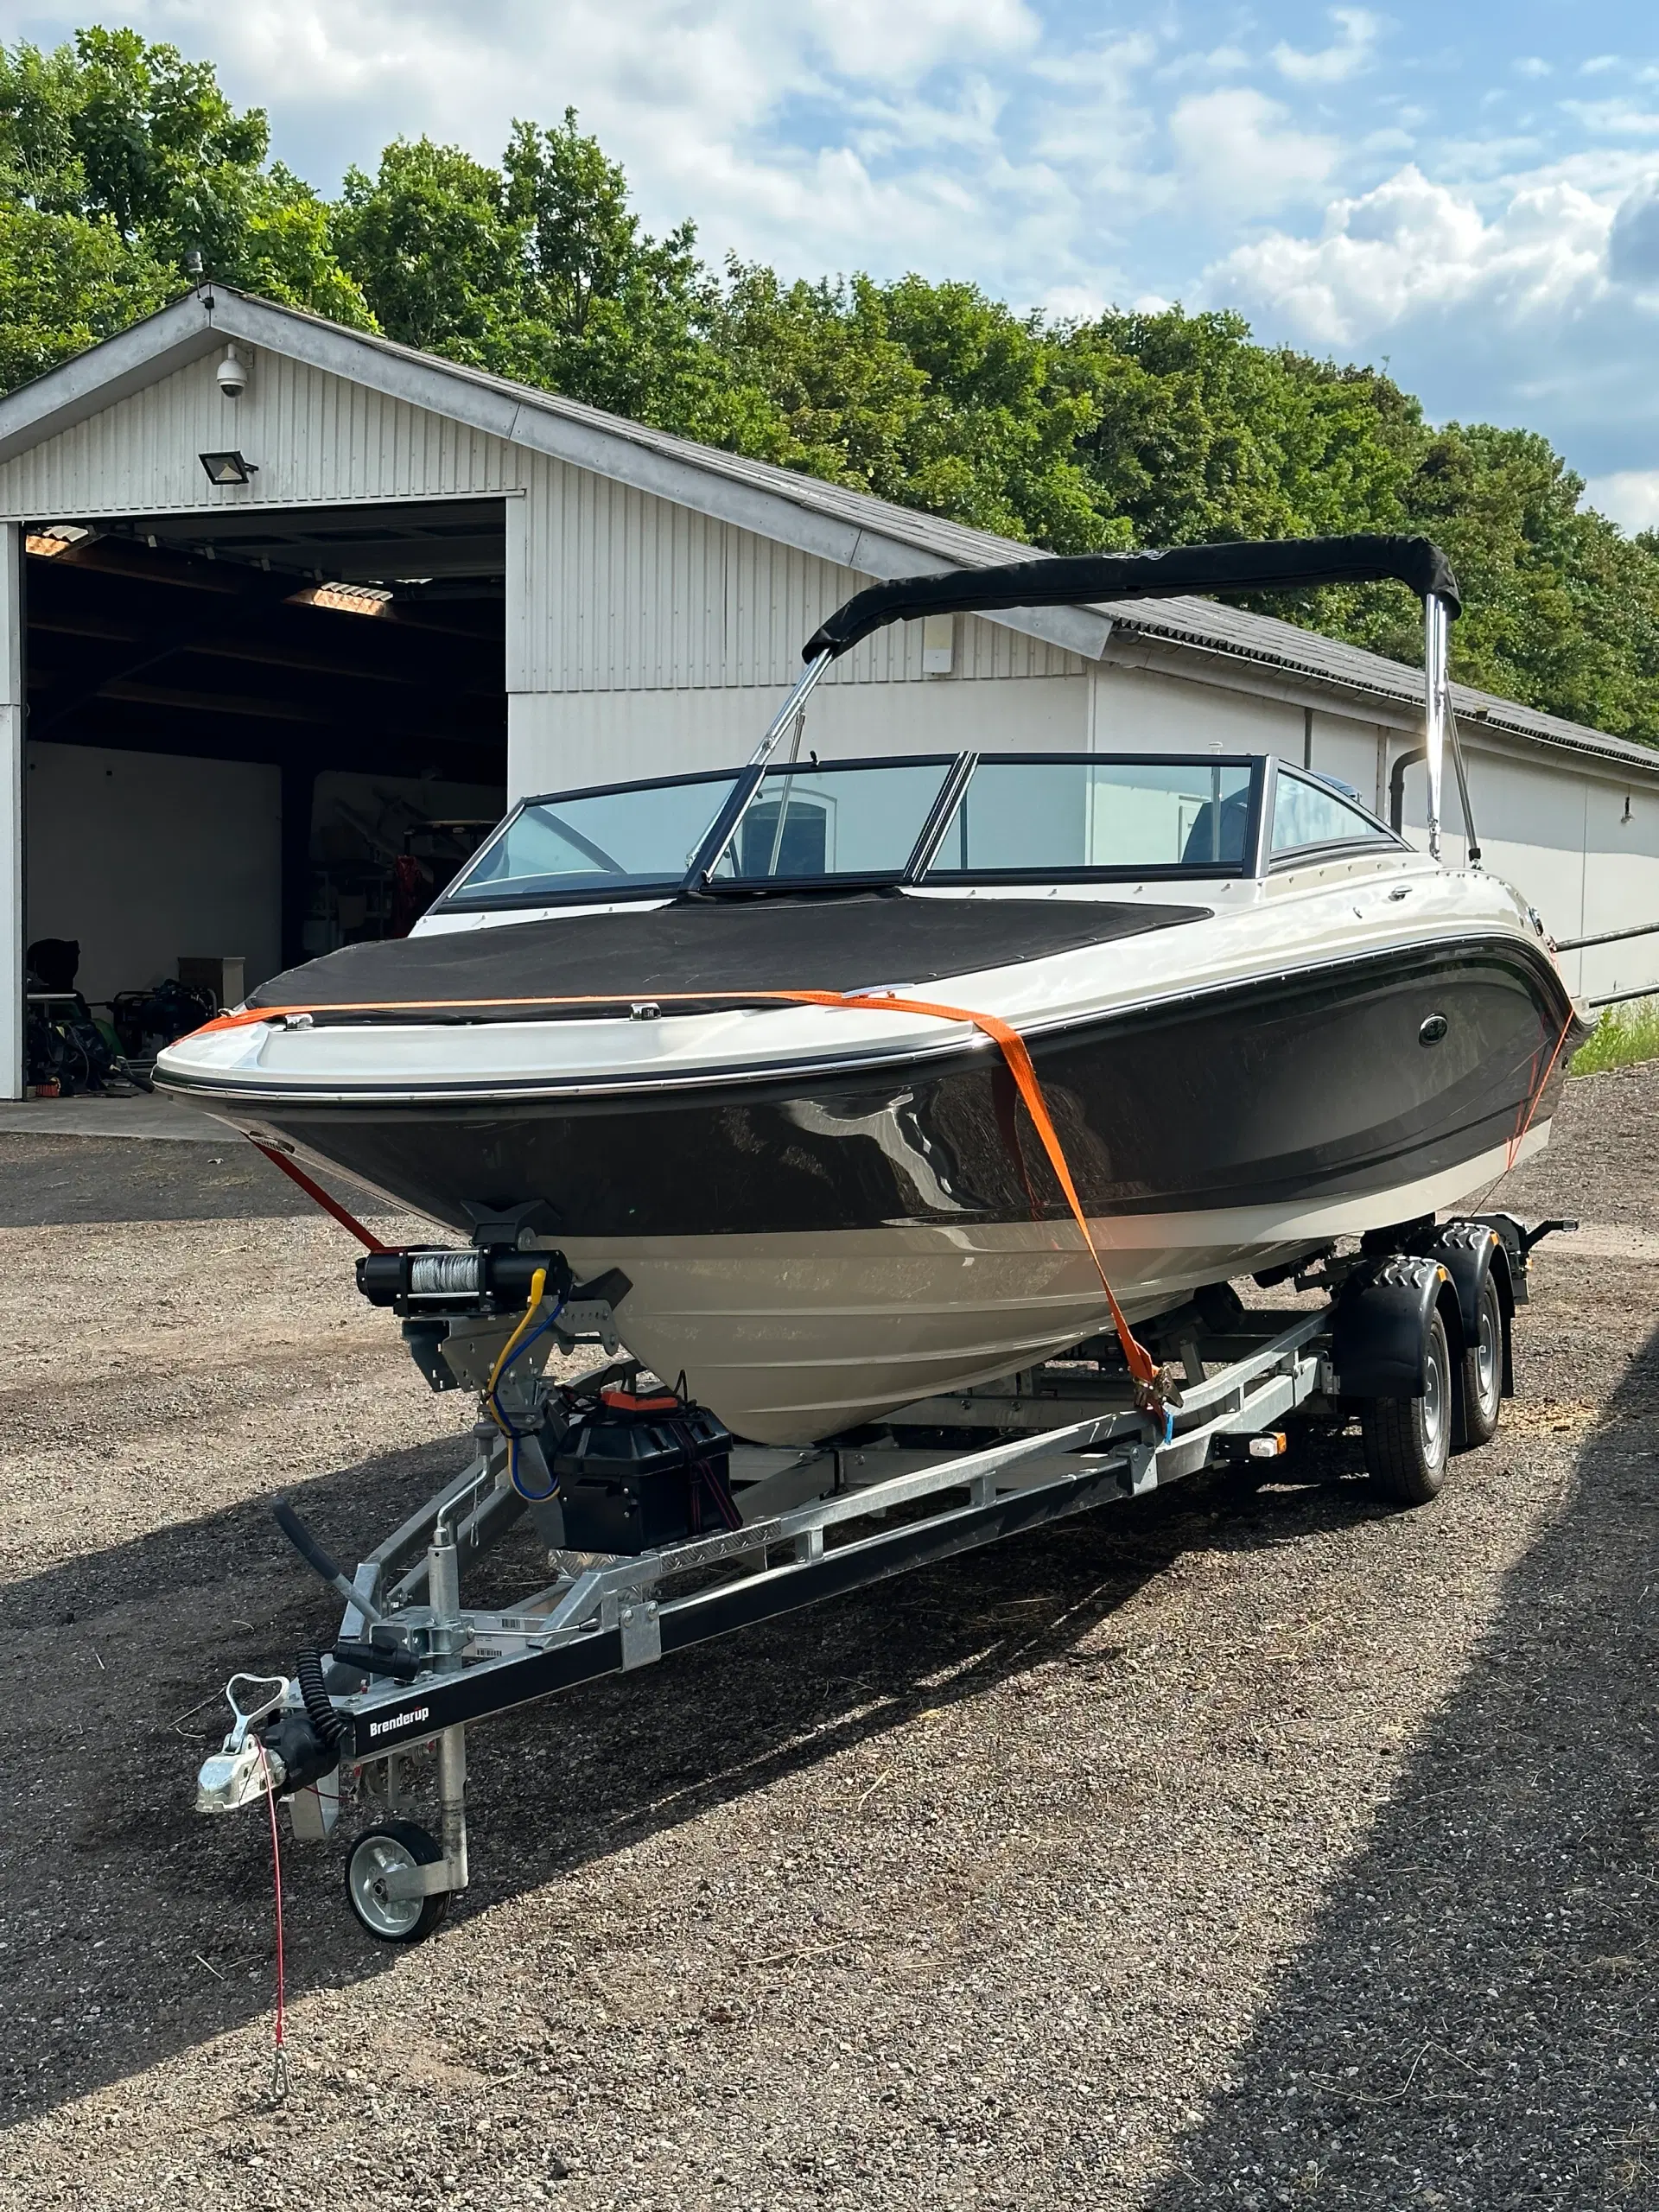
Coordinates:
(1412, 1334)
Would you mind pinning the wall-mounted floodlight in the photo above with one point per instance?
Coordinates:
(227, 467)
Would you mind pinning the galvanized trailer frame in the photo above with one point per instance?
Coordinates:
(414, 1666)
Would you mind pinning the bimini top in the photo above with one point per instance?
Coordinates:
(1277, 564)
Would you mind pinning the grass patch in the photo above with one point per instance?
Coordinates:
(1624, 1035)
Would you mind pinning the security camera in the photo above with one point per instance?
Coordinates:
(231, 374)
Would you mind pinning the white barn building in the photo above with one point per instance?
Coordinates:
(206, 750)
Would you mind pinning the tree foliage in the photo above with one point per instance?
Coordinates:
(119, 157)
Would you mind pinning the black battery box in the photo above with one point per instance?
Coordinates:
(636, 1473)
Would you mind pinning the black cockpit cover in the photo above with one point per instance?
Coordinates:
(1277, 564)
(806, 943)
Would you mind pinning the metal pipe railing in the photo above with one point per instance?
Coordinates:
(1607, 936)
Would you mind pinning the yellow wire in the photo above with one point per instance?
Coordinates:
(537, 1284)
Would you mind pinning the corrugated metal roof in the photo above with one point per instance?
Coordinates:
(1194, 624)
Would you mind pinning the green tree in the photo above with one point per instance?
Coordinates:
(64, 283)
(428, 241)
(131, 140)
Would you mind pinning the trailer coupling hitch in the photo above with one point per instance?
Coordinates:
(274, 1747)
(244, 1768)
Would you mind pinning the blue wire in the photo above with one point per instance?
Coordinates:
(515, 1436)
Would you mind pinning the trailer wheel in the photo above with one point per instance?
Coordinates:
(1480, 1396)
(1408, 1439)
(388, 1849)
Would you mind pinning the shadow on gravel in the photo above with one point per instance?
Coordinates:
(97, 1761)
(1475, 2023)
(48, 1182)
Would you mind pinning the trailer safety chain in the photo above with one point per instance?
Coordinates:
(1156, 1388)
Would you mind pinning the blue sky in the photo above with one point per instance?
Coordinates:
(1469, 193)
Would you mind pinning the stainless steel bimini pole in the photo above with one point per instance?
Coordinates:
(1434, 643)
(793, 706)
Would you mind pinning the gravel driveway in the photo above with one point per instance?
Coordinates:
(1220, 1850)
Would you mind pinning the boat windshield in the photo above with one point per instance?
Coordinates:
(859, 819)
(940, 818)
(1054, 818)
(640, 837)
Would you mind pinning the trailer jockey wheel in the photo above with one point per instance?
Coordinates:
(1480, 1397)
(394, 1847)
(1408, 1439)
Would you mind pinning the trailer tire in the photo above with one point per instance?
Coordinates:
(1408, 1439)
(1480, 1380)
(377, 1851)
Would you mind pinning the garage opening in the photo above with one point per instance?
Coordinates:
(253, 737)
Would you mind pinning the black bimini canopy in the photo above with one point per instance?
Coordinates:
(1274, 564)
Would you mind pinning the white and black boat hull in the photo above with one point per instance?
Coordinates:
(816, 1247)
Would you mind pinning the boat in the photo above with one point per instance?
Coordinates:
(730, 1040)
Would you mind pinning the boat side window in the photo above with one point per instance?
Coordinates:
(1047, 817)
(642, 837)
(1308, 811)
(809, 824)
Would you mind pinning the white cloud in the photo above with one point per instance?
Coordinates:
(873, 40)
(1353, 50)
(1531, 64)
(1239, 150)
(1630, 497)
(1413, 246)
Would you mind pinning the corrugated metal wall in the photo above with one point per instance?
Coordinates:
(315, 438)
(619, 590)
(625, 592)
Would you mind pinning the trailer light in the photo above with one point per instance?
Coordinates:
(1268, 1446)
(227, 467)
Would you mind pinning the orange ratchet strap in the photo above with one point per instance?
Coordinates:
(1142, 1367)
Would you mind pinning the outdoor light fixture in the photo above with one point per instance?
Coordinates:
(227, 467)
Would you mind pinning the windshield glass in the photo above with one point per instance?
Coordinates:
(1049, 817)
(644, 837)
(808, 822)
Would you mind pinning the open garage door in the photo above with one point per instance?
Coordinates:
(253, 737)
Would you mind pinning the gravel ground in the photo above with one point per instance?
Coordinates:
(1227, 1849)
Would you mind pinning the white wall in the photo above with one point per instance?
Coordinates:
(145, 855)
(558, 741)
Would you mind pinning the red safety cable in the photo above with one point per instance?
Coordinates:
(315, 1190)
(279, 2048)
(1142, 1367)
(1525, 1121)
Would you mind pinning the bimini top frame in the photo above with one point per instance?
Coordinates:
(1274, 564)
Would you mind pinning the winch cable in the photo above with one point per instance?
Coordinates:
(315, 1191)
(1153, 1388)
(279, 2042)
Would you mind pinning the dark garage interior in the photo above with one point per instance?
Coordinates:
(254, 736)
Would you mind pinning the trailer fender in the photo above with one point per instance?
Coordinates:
(1378, 1342)
(1469, 1251)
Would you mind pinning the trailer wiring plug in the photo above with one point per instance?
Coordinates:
(520, 1341)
